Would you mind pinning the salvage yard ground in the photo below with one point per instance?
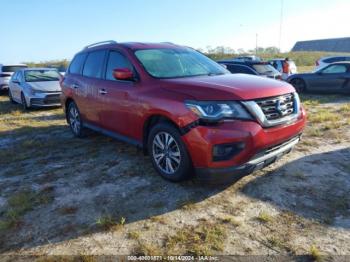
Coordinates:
(62, 195)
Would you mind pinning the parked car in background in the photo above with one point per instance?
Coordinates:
(278, 65)
(325, 61)
(334, 78)
(186, 111)
(239, 69)
(6, 72)
(247, 58)
(256, 68)
(35, 87)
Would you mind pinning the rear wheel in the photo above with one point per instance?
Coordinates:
(74, 120)
(24, 102)
(168, 152)
(299, 85)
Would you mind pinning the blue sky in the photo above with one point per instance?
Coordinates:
(38, 30)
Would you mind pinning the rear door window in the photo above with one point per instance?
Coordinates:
(77, 64)
(116, 60)
(93, 66)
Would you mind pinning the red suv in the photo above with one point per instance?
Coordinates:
(186, 111)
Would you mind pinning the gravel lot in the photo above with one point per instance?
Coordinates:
(62, 195)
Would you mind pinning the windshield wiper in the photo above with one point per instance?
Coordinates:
(215, 74)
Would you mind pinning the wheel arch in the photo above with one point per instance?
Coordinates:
(151, 121)
(66, 104)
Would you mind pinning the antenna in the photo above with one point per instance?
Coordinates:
(281, 23)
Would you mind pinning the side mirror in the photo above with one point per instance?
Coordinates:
(123, 74)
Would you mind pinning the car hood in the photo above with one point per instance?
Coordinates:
(47, 86)
(228, 87)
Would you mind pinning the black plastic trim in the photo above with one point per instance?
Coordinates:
(114, 135)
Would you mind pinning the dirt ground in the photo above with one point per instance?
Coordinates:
(62, 195)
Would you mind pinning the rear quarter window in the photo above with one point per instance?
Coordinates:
(77, 64)
(93, 66)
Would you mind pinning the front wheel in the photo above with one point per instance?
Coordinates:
(11, 97)
(24, 102)
(299, 85)
(168, 152)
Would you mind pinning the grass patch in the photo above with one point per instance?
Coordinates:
(203, 239)
(158, 219)
(147, 249)
(21, 203)
(345, 109)
(186, 205)
(313, 100)
(324, 115)
(230, 220)
(315, 132)
(315, 253)
(264, 217)
(107, 222)
(134, 235)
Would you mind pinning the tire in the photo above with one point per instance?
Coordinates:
(299, 85)
(74, 120)
(168, 153)
(11, 98)
(24, 102)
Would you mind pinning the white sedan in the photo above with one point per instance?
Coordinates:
(35, 87)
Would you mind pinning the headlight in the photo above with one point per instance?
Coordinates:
(217, 110)
(35, 91)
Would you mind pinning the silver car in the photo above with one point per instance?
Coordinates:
(35, 87)
(6, 71)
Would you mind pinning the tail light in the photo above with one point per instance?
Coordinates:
(61, 79)
(4, 75)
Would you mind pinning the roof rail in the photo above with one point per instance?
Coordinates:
(100, 43)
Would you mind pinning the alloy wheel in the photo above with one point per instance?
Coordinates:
(74, 119)
(166, 152)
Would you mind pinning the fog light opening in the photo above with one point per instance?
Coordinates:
(224, 152)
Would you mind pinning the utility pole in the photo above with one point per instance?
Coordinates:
(256, 44)
(281, 23)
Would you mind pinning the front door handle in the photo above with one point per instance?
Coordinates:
(102, 91)
(75, 86)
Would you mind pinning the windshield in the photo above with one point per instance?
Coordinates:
(265, 69)
(175, 63)
(41, 75)
(11, 69)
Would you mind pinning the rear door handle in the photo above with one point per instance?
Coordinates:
(75, 86)
(102, 91)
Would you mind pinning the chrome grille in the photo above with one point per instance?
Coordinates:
(277, 107)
